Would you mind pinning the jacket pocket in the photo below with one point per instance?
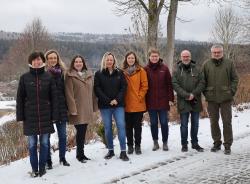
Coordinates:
(226, 92)
(209, 91)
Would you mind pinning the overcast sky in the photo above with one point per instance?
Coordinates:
(97, 16)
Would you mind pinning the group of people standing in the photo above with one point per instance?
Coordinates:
(50, 94)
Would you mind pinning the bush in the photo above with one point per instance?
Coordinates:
(101, 132)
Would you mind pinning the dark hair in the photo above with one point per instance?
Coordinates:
(125, 63)
(35, 55)
(73, 62)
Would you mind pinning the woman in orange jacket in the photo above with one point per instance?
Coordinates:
(135, 104)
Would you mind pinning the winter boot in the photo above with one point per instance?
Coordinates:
(124, 156)
(110, 154)
(198, 148)
(215, 148)
(165, 146)
(137, 150)
(156, 145)
(42, 172)
(227, 150)
(49, 164)
(64, 162)
(130, 149)
(184, 148)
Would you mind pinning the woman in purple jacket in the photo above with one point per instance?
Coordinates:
(159, 97)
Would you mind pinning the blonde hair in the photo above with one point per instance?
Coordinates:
(59, 60)
(104, 58)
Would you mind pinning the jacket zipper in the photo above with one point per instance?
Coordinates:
(38, 102)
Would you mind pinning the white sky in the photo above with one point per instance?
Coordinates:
(97, 16)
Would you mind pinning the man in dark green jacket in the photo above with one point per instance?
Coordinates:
(188, 83)
(221, 84)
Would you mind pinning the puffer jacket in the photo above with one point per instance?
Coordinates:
(36, 102)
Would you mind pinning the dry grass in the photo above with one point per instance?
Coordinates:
(243, 92)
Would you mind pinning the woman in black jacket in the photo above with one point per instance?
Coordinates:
(36, 108)
(110, 86)
(57, 69)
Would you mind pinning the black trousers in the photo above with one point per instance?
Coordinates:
(133, 128)
(80, 139)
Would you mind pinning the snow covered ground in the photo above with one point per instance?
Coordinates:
(160, 166)
(8, 104)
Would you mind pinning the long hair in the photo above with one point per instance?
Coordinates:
(73, 62)
(125, 63)
(104, 58)
(59, 60)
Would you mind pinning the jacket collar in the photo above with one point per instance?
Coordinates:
(106, 71)
(136, 70)
(73, 73)
(37, 71)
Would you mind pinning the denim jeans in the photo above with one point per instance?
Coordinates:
(118, 114)
(43, 153)
(163, 117)
(194, 127)
(62, 137)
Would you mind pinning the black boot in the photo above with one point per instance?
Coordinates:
(130, 149)
(42, 172)
(227, 150)
(110, 154)
(198, 148)
(86, 158)
(34, 174)
(80, 159)
(137, 150)
(49, 164)
(215, 148)
(64, 162)
(156, 145)
(184, 148)
(124, 156)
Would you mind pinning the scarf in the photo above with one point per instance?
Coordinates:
(55, 70)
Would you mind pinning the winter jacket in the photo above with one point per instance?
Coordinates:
(109, 87)
(62, 104)
(36, 102)
(79, 97)
(221, 80)
(136, 90)
(160, 90)
(188, 79)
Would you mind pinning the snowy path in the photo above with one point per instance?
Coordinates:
(193, 168)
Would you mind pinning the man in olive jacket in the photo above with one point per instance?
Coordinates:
(188, 83)
(221, 84)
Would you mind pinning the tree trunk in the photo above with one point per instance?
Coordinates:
(153, 20)
(171, 33)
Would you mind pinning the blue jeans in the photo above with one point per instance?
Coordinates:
(194, 127)
(119, 117)
(62, 138)
(163, 116)
(43, 153)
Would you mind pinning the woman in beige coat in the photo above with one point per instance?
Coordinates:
(79, 96)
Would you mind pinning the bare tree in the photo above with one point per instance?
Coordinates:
(226, 30)
(34, 37)
(152, 9)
